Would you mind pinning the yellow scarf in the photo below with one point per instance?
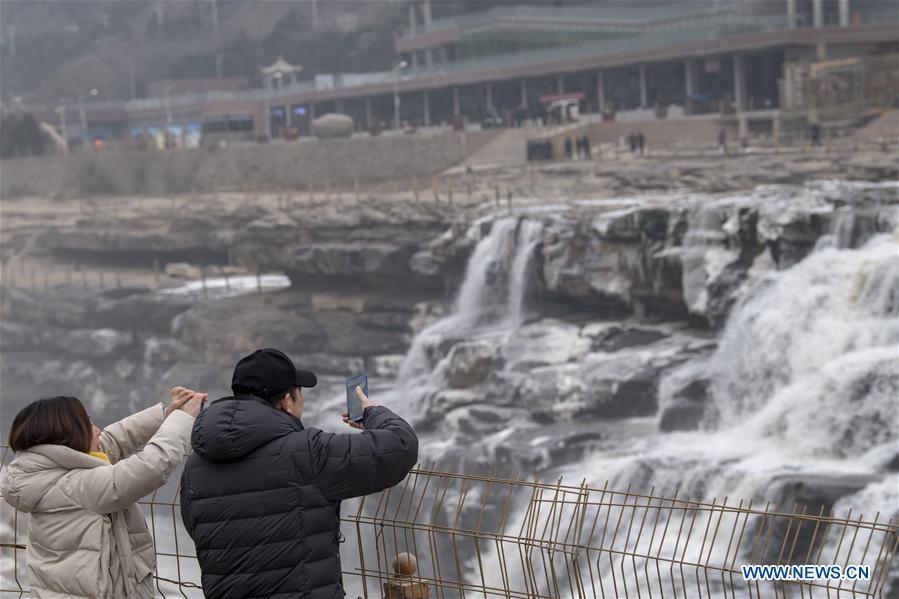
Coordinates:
(100, 455)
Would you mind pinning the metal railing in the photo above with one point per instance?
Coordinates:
(654, 41)
(647, 18)
(641, 16)
(488, 536)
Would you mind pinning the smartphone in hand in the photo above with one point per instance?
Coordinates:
(354, 407)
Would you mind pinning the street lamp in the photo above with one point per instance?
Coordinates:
(61, 111)
(397, 67)
(81, 97)
(276, 76)
(168, 109)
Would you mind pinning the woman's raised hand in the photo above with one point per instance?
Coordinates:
(195, 403)
(179, 397)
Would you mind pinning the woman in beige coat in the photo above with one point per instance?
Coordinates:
(87, 537)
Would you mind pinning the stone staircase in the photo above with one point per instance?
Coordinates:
(508, 147)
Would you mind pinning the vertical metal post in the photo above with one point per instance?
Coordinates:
(740, 82)
(83, 115)
(641, 71)
(791, 14)
(396, 98)
(601, 91)
(692, 82)
(844, 13)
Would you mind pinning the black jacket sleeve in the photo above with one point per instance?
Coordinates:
(353, 465)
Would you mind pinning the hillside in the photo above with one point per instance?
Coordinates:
(54, 49)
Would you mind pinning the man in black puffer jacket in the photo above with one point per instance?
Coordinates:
(260, 495)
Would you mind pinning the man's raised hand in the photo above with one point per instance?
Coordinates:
(366, 403)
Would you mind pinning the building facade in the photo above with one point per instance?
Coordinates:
(649, 60)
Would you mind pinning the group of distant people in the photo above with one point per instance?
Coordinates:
(722, 143)
(637, 143)
(580, 145)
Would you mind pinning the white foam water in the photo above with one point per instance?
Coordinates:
(490, 303)
(804, 382)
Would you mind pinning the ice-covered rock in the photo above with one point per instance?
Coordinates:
(553, 393)
(183, 270)
(681, 415)
(619, 388)
(543, 343)
(94, 343)
(349, 259)
(272, 222)
(345, 366)
(613, 337)
(22, 338)
(481, 419)
(386, 366)
(164, 350)
(425, 264)
(470, 363)
(237, 331)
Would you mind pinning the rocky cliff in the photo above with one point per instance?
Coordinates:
(618, 297)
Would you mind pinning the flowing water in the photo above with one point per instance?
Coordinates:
(804, 381)
(490, 303)
(805, 378)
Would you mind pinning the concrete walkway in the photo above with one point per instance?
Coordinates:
(884, 126)
(509, 147)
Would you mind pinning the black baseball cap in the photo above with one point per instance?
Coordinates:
(267, 372)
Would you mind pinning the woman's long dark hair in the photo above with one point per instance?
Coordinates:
(57, 420)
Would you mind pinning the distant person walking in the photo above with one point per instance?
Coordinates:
(568, 148)
(641, 142)
(260, 495)
(815, 134)
(87, 537)
(585, 143)
(722, 142)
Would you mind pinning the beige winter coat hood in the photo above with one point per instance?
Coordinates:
(87, 537)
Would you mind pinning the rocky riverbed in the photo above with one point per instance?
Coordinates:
(620, 320)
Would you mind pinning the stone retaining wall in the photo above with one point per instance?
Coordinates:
(312, 164)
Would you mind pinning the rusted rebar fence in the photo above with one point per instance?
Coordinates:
(487, 536)
(471, 535)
